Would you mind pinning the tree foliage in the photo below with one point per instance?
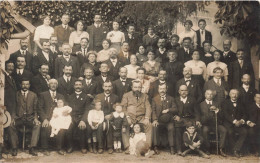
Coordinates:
(240, 20)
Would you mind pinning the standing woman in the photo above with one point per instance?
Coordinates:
(132, 67)
(116, 37)
(188, 32)
(103, 55)
(43, 33)
(151, 66)
(77, 35)
(141, 55)
(199, 70)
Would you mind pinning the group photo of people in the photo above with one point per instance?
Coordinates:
(96, 89)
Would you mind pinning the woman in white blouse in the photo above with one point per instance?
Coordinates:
(188, 32)
(151, 66)
(145, 83)
(199, 70)
(43, 32)
(132, 67)
(211, 66)
(76, 36)
(103, 55)
(116, 37)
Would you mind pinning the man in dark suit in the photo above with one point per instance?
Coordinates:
(23, 52)
(66, 83)
(79, 102)
(187, 111)
(82, 51)
(161, 52)
(192, 84)
(246, 92)
(254, 125)
(46, 105)
(90, 86)
(238, 68)
(123, 84)
(218, 85)
(209, 109)
(163, 107)
(185, 53)
(234, 121)
(114, 65)
(21, 72)
(25, 115)
(54, 47)
(40, 81)
(66, 60)
(228, 56)
(132, 38)
(63, 31)
(97, 33)
(124, 54)
(104, 77)
(108, 99)
(205, 54)
(44, 57)
(202, 33)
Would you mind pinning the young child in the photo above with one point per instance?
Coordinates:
(192, 141)
(95, 119)
(138, 145)
(119, 123)
(61, 118)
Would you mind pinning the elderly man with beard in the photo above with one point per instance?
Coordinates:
(41, 80)
(138, 110)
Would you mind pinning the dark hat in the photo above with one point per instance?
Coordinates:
(165, 118)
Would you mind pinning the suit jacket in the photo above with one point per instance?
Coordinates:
(81, 57)
(205, 59)
(80, 107)
(174, 70)
(161, 58)
(10, 94)
(153, 90)
(92, 88)
(96, 36)
(119, 89)
(28, 59)
(61, 62)
(123, 59)
(193, 88)
(187, 112)
(26, 107)
(39, 84)
(18, 78)
(235, 73)
(150, 43)
(63, 34)
(254, 114)
(66, 88)
(107, 107)
(136, 109)
(100, 82)
(231, 57)
(231, 113)
(113, 70)
(207, 117)
(95, 68)
(39, 60)
(133, 42)
(220, 90)
(158, 106)
(183, 56)
(247, 97)
(46, 105)
(208, 37)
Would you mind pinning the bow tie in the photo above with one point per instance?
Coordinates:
(187, 80)
(104, 76)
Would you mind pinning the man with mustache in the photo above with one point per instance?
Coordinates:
(41, 80)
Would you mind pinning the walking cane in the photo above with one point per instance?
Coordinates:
(23, 137)
(216, 115)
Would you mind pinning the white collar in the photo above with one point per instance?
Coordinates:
(44, 53)
(187, 78)
(23, 50)
(52, 92)
(183, 99)
(96, 25)
(202, 30)
(65, 77)
(88, 80)
(78, 93)
(66, 56)
(113, 59)
(65, 26)
(245, 86)
(122, 79)
(207, 101)
(226, 52)
(233, 101)
(107, 95)
(19, 70)
(116, 114)
(216, 80)
(26, 92)
(186, 49)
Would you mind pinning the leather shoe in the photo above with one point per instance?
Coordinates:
(33, 152)
(70, 150)
(156, 150)
(83, 150)
(14, 152)
(179, 153)
(110, 151)
(127, 151)
(236, 154)
(100, 151)
(222, 153)
(172, 151)
(207, 152)
(119, 150)
(61, 152)
(46, 153)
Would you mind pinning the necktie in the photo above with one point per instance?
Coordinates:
(84, 51)
(53, 96)
(123, 82)
(218, 82)
(77, 96)
(107, 99)
(23, 53)
(202, 32)
(24, 96)
(187, 82)
(87, 82)
(241, 63)
(163, 98)
(234, 104)
(19, 72)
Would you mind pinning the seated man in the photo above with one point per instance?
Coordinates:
(138, 110)
(89, 84)
(187, 111)
(254, 125)
(40, 81)
(209, 109)
(25, 115)
(246, 91)
(234, 121)
(163, 107)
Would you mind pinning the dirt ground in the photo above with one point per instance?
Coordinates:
(115, 157)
